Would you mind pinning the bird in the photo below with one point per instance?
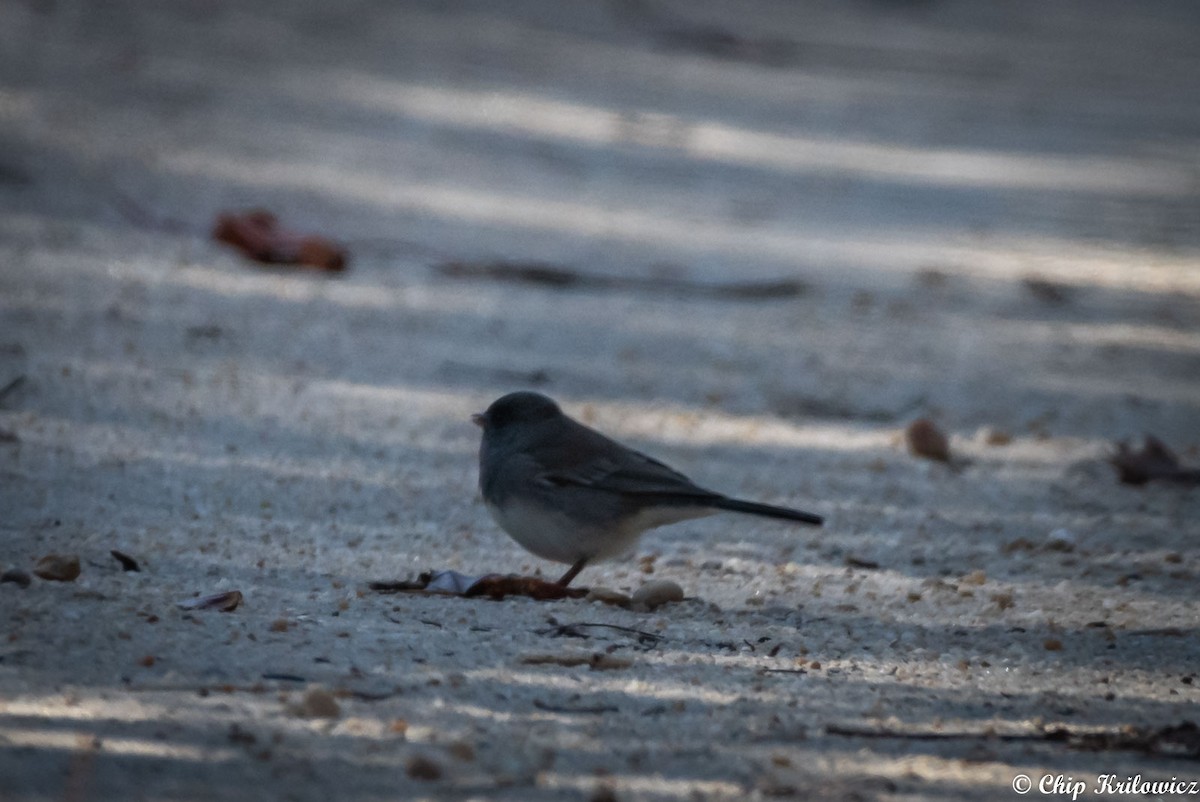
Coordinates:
(569, 494)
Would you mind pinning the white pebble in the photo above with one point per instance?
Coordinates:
(657, 593)
(1062, 539)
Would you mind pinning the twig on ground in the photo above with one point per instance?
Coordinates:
(572, 631)
(11, 387)
(590, 709)
(558, 277)
(1178, 740)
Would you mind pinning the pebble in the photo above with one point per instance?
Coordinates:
(1061, 539)
(604, 793)
(226, 602)
(655, 594)
(462, 750)
(991, 436)
(58, 567)
(318, 703)
(420, 767)
(976, 577)
(924, 439)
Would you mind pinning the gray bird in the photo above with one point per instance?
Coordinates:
(569, 494)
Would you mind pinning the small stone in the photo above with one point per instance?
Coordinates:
(1052, 645)
(1061, 540)
(924, 439)
(225, 602)
(462, 750)
(991, 436)
(603, 793)
(609, 662)
(17, 577)
(58, 567)
(608, 596)
(318, 703)
(655, 594)
(420, 767)
(1047, 291)
(1020, 544)
(976, 577)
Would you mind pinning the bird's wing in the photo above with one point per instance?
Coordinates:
(624, 470)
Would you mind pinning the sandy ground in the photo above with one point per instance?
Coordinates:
(919, 166)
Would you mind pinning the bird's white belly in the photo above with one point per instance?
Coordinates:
(555, 536)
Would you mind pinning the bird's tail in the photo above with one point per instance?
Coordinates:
(754, 508)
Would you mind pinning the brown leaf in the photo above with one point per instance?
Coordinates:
(258, 235)
(493, 586)
(497, 586)
(58, 567)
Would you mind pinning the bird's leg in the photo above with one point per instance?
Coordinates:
(571, 573)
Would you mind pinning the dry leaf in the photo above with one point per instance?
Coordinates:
(258, 235)
(58, 567)
(496, 586)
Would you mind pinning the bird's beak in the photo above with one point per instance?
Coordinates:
(479, 419)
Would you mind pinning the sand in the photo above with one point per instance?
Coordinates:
(986, 217)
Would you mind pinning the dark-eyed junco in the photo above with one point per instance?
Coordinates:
(568, 493)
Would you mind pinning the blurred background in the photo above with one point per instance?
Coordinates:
(909, 167)
(756, 239)
(841, 215)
